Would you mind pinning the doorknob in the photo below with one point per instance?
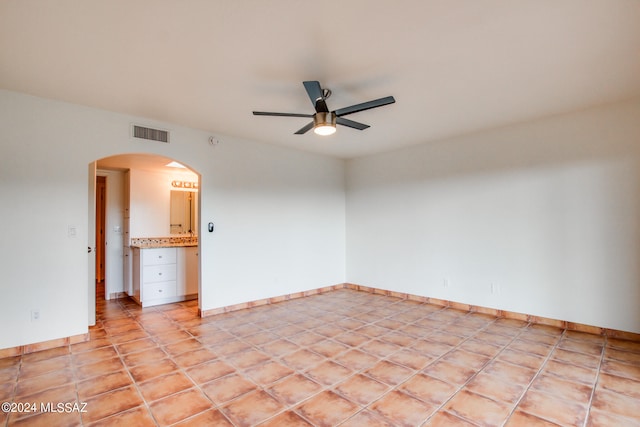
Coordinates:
(89, 249)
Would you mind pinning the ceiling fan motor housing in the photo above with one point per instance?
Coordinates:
(324, 119)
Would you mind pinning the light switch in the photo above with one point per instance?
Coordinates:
(71, 231)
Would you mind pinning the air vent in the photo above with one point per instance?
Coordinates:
(150, 134)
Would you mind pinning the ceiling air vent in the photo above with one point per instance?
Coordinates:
(150, 134)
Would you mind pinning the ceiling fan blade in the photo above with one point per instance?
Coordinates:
(266, 113)
(305, 129)
(351, 123)
(321, 106)
(314, 90)
(365, 106)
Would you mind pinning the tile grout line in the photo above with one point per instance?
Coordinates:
(134, 318)
(302, 373)
(456, 347)
(172, 326)
(237, 369)
(75, 381)
(386, 358)
(135, 383)
(546, 360)
(325, 388)
(417, 372)
(14, 394)
(180, 369)
(261, 387)
(477, 370)
(332, 387)
(595, 383)
(15, 388)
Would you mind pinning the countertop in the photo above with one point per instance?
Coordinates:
(163, 245)
(164, 242)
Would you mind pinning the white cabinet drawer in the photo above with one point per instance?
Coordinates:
(159, 256)
(159, 273)
(162, 290)
(164, 275)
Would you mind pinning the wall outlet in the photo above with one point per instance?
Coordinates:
(495, 289)
(35, 315)
(445, 283)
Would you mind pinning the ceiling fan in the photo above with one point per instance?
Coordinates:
(324, 121)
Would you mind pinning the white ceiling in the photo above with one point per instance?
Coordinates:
(454, 66)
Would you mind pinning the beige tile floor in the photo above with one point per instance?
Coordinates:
(342, 358)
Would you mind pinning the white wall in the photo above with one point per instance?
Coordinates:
(279, 222)
(150, 194)
(279, 214)
(150, 198)
(548, 212)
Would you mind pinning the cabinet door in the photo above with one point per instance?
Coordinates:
(135, 273)
(192, 270)
(188, 270)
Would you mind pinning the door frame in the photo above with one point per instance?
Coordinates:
(101, 224)
(91, 237)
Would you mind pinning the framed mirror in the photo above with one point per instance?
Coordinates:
(182, 213)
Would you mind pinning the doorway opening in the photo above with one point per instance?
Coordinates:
(134, 202)
(101, 189)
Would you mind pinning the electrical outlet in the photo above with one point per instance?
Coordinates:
(35, 315)
(495, 289)
(445, 283)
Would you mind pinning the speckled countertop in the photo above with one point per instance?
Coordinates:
(163, 245)
(164, 242)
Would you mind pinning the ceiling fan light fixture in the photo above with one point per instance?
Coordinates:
(324, 123)
(324, 130)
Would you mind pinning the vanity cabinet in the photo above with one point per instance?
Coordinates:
(187, 283)
(160, 275)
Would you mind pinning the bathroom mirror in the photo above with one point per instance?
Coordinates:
(182, 214)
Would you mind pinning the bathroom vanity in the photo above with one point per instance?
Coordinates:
(160, 270)
(164, 273)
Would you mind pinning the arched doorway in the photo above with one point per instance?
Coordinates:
(141, 193)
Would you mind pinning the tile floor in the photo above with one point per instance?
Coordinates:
(343, 358)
